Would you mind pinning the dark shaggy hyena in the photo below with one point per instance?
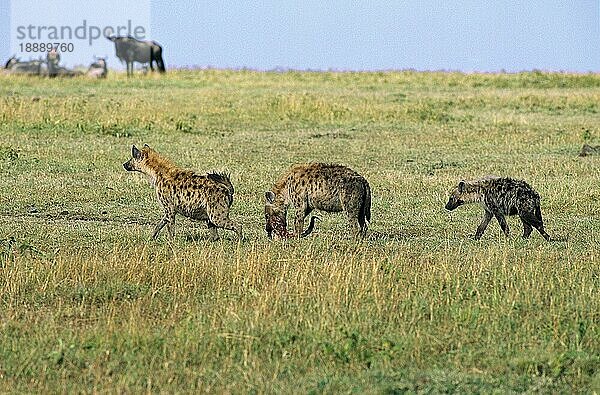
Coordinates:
(321, 186)
(500, 197)
(203, 197)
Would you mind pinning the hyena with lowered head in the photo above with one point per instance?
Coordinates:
(500, 197)
(203, 197)
(321, 186)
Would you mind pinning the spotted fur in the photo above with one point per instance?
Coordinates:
(203, 197)
(321, 186)
(501, 197)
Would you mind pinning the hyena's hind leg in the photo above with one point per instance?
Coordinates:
(352, 204)
(527, 229)
(535, 220)
(219, 217)
(230, 225)
(355, 228)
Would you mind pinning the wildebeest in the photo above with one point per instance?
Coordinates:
(131, 50)
(321, 186)
(500, 197)
(97, 69)
(15, 66)
(202, 197)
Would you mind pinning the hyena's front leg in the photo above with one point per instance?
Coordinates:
(171, 226)
(169, 220)
(159, 227)
(214, 236)
(502, 222)
(487, 217)
(299, 215)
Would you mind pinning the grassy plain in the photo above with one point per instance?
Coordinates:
(89, 304)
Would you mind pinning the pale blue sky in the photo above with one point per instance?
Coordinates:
(466, 35)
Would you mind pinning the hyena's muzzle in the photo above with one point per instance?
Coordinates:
(128, 166)
(452, 204)
(276, 227)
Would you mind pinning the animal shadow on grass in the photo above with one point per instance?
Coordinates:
(501, 236)
(205, 236)
(69, 216)
(195, 231)
(373, 235)
(559, 239)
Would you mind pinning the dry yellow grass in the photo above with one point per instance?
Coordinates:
(89, 304)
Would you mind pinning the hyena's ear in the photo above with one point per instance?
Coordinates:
(146, 146)
(135, 152)
(270, 197)
(461, 186)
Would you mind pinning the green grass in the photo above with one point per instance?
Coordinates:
(89, 304)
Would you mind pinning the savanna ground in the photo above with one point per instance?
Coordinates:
(89, 304)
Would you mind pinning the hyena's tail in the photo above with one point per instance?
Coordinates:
(538, 213)
(364, 216)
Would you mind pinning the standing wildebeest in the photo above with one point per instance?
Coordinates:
(500, 197)
(130, 50)
(202, 197)
(15, 66)
(321, 186)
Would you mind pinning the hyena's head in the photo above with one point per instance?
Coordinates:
(138, 159)
(275, 217)
(471, 191)
(459, 196)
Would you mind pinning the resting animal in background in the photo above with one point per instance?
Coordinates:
(500, 197)
(56, 70)
(97, 69)
(587, 150)
(203, 197)
(321, 186)
(15, 66)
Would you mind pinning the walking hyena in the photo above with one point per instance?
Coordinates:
(203, 197)
(500, 197)
(321, 186)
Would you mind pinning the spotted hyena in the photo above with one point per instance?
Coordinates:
(500, 197)
(321, 186)
(203, 197)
